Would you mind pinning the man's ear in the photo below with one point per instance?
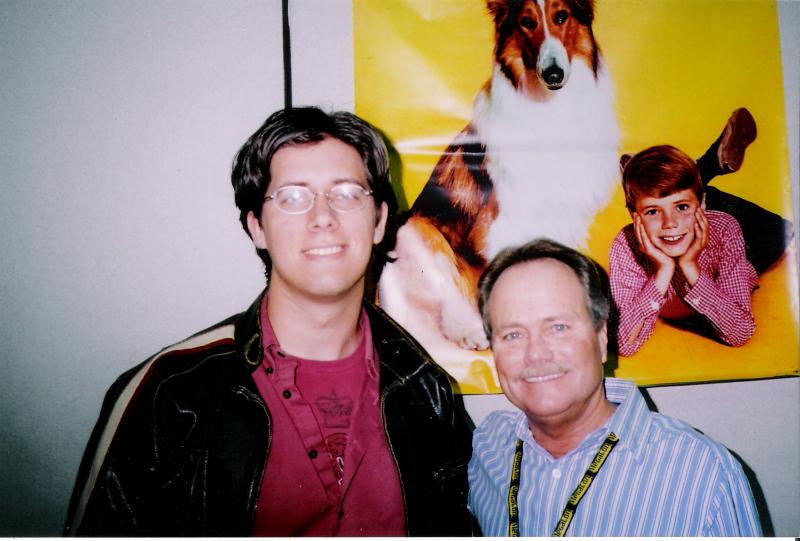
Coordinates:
(602, 337)
(256, 232)
(380, 225)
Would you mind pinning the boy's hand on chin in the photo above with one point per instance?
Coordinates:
(665, 265)
(689, 261)
(659, 258)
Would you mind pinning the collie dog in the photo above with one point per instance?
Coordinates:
(538, 159)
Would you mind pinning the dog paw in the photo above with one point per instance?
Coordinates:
(466, 332)
(474, 342)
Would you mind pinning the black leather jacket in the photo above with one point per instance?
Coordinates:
(183, 438)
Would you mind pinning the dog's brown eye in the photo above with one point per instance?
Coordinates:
(527, 23)
(561, 17)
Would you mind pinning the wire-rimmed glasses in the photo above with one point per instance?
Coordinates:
(293, 199)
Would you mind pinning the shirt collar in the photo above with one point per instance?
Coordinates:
(272, 347)
(630, 420)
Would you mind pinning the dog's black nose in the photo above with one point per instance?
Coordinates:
(553, 76)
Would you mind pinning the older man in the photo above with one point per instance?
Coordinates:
(584, 456)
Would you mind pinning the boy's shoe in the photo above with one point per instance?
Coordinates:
(739, 132)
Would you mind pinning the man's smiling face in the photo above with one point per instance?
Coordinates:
(548, 354)
(322, 254)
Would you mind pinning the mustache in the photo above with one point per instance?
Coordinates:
(542, 370)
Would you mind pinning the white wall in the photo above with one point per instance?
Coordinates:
(119, 232)
(120, 120)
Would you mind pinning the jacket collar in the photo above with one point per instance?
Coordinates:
(400, 355)
(247, 335)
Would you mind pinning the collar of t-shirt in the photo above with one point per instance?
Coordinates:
(359, 491)
(271, 345)
(321, 398)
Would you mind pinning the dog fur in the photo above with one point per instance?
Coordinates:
(538, 159)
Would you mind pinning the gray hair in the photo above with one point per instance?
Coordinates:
(591, 275)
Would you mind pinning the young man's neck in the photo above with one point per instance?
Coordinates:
(559, 437)
(319, 329)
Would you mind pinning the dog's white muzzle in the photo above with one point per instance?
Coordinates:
(552, 65)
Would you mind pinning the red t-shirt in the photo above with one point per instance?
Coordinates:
(329, 469)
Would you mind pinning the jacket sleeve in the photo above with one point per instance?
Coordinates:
(464, 428)
(100, 503)
(447, 451)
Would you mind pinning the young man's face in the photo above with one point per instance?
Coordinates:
(322, 254)
(669, 221)
(548, 355)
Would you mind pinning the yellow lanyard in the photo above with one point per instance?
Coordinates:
(574, 500)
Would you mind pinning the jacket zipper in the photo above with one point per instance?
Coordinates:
(244, 392)
(394, 458)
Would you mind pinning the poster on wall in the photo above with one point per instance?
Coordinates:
(512, 120)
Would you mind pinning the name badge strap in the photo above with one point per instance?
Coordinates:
(513, 491)
(574, 500)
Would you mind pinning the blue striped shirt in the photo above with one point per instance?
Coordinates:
(662, 479)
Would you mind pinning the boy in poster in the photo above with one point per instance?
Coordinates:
(678, 261)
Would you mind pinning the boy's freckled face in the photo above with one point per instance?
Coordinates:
(669, 221)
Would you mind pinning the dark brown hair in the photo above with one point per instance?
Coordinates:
(660, 171)
(303, 125)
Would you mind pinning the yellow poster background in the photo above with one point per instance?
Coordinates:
(679, 69)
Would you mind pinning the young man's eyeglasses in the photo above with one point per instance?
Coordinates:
(299, 199)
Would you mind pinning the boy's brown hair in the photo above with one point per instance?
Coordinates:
(660, 171)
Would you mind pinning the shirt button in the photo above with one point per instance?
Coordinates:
(269, 370)
(312, 453)
(556, 474)
(654, 305)
(287, 393)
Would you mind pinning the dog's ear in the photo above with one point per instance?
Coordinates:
(498, 9)
(583, 11)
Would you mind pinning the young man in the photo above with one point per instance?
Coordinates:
(583, 456)
(312, 413)
(677, 261)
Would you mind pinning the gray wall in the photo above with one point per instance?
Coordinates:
(119, 234)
